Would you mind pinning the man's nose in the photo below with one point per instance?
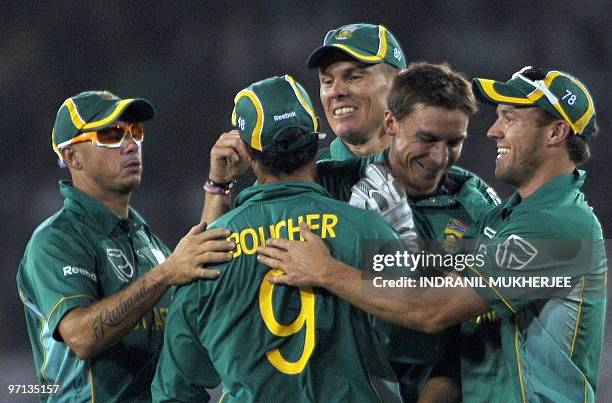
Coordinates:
(495, 131)
(439, 153)
(339, 88)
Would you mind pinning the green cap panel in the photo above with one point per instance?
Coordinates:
(367, 43)
(558, 93)
(94, 110)
(266, 108)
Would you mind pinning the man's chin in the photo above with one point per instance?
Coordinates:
(351, 136)
(128, 186)
(507, 178)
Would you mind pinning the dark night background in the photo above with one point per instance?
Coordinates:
(189, 59)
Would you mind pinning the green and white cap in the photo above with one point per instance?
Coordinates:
(558, 93)
(367, 43)
(94, 110)
(266, 108)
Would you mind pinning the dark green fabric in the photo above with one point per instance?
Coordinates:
(539, 347)
(217, 330)
(337, 151)
(80, 255)
(441, 221)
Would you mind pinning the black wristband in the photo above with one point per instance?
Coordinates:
(220, 188)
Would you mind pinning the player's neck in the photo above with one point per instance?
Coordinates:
(551, 168)
(306, 173)
(375, 143)
(118, 202)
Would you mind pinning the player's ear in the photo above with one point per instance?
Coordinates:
(72, 157)
(559, 131)
(249, 151)
(390, 123)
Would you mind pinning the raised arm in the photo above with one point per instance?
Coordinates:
(228, 160)
(90, 330)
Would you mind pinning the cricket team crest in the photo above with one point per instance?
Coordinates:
(453, 233)
(106, 95)
(121, 266)
(345, 33)
(515, 253)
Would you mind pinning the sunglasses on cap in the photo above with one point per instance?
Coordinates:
(109, 137)
(535, 78)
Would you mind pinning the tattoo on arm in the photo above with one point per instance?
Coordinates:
(115, 315)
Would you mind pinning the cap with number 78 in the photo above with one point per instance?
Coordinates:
(557, 93)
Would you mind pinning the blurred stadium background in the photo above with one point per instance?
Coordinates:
(190, 59)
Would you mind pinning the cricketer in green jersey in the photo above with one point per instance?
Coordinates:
(445, 200)
(430, 106)
(269, 343)
(95, 309)
(549, 343)
(357, 64)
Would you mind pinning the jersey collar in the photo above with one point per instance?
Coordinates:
(276, 190)
(97, 212)
(339, 151)
(551, 192)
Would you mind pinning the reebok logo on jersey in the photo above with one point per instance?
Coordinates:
(284, 116)
(70, 270)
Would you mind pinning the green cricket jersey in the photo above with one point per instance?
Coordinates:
(540, 346)
(275, 343)
(459, 201)
(441, 222)
(337, 151)
(83, 253)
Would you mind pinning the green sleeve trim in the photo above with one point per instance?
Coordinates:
(91, 384)
(518, 362)
(578, 316)
(64, 299)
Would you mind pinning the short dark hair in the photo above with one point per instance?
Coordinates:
(432, 85)
(578, 146)
(290, 161)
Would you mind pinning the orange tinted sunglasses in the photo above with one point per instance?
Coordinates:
(109, 137)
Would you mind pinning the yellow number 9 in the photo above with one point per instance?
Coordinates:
(305, 318)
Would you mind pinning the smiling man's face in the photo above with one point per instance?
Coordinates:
(353, 95)
(426, 143)
(519, 139)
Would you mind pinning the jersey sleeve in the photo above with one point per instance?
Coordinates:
(536, 256)
(184, 370)
(58, 273)
(401, 345)
(489, 194)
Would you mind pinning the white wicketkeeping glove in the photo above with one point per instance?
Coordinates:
(379, 191)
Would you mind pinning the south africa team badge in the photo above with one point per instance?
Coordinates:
(453, 233)
(122, 268)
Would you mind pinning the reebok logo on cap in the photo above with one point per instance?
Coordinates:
(284, 116)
